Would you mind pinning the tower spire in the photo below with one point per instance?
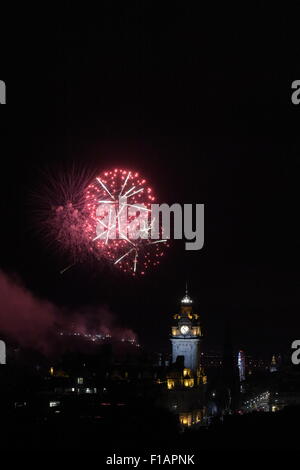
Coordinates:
(186, 299)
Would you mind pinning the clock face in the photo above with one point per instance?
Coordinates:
(184, 329)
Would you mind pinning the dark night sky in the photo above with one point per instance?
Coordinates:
(199, 102)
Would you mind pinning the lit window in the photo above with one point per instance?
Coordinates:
(188, 382)
(186, 419)
(80, 380)
(53, 404)
(170, 384)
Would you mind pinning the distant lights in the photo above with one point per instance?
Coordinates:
(53, 404)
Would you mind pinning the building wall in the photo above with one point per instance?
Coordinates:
(189, 348)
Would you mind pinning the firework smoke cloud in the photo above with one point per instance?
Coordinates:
(34, 322)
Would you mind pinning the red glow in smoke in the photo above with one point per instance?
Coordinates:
(33, 322)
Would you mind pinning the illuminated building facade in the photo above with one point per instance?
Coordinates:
(186, 379)
(186, 335)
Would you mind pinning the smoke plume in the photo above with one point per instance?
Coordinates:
(34, 322)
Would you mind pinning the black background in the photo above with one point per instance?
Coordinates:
(199, 102)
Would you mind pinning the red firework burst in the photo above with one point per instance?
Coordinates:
(119, 224)
(100, 219)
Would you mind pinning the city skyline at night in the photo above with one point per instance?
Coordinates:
(150, 250)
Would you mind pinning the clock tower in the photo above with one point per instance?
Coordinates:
(186, 379)
(186, 335)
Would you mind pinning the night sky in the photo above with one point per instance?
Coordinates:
(199, 103)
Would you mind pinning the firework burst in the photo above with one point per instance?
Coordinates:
(119, 203)
(58, 211)
(99, 218)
